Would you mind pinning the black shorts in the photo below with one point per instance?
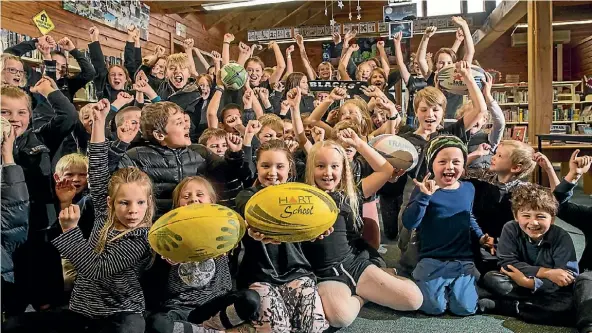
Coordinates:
(348, 271)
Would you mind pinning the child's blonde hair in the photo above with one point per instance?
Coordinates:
(120, 115)
(346, 185)
(7, 56)
(74, 160)
(128, 79)
(178, 59)
(431, 96)
(346, 124)
(16, 93)
(255, 60)
(179, 188)
(211, 133)
(521, 154)
(272, 121)
(125, 176)
(155, 117)
(366, 125)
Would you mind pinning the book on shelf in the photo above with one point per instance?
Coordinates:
(516, 115)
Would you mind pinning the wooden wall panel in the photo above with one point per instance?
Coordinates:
(17, 17)
(582, 59)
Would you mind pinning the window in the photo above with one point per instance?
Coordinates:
(475, 6)
(419, 8)
(443, 7)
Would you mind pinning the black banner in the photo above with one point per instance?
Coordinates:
(352, 87)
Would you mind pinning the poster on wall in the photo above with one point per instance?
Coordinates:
(117, 14)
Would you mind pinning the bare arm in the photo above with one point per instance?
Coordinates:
(309, 70)
(290, 66)
(459, 39)
(188, 46)
(245, 53)
(383, 58)
(421, 52)
(280, 63)
(228, 38)
(345, 60)
(469, 46)
(399, 55)
(201, 58)
(472, 116)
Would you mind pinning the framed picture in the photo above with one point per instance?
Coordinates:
(404, 26)
(371, 27)
(382, 27)
(519, 133)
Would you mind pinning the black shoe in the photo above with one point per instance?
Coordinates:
(503, 307)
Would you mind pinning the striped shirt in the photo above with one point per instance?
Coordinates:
(107, 282)
(180, 293)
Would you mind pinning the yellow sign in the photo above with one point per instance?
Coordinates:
(43, 23)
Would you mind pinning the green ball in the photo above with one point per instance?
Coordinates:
(233, 76)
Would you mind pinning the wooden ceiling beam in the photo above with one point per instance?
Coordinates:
(503, 17)
(260, 21)
(296, 11)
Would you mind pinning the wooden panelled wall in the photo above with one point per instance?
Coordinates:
(582, 58)
(17, 17)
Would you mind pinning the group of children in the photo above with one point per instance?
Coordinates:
(81, 188)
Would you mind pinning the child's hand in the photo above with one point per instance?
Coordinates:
(460, 35)
(516, 275)
(292, 145)
(159, 52)
(299, 40)
(337, 94)
(464, 69)
(45, 86)
(65, 191)
(372, 91)
(272, 45)
(542, 161)
(324, 234)
(253, 127)
(332, 116)
(579, 165)
(380, 44)
(278, 86)
(248, 99)
(216, 56)
(354, 48)
(144, 87)
(349, 36)
(69, 217)
(398, 37)
(261, 237)
(124, 98)
(235, 142)
(263, 93)
(559, 276)
(94, 34)
(488, 242)
(244, 48)
(430, 31)
(66, 44)
(289, 50)
(397, 173)
(132, 33)
(484, 149)
(459, 21)
(228, 38)
(318, 134)
(336, 38)
(45, 50)
(188, 44)
(47, 40)
(427, 186)
(8, 137)
(127, 131)
(101, 110)
(487, 85)
(349, 137)
(293, 97)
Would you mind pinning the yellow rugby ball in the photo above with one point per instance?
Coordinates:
(196, 232)
(291, 212)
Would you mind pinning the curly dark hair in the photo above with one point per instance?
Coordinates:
(534, 197)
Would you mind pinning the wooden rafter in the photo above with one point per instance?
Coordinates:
(260, 21)
(296, 11)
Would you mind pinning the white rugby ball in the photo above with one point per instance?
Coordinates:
(399, 152)
(449, 79)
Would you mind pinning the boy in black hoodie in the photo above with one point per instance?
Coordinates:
(33, 151)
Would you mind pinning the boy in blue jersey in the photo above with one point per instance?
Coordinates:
(440, 209)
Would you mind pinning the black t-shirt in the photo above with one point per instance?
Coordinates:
(414, 84)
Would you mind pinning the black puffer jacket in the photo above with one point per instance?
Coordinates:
(188, 99)
(166, 167)
(15, 216)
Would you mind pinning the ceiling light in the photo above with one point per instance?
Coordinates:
(238, 4)
(292, 40)
(524, 25)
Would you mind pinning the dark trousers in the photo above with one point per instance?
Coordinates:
(66, 321)
(389, 211)
(540, 308)
(583, 302)
(246, 303)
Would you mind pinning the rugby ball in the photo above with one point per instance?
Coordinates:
(449, 79)
(291, 212)
(196, 232)
(400, 153)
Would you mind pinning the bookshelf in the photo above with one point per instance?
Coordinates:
(567, 107)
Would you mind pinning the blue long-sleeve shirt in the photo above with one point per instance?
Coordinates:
(444, 222)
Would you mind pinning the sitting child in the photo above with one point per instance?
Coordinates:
(440, 209)
(537, 261)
